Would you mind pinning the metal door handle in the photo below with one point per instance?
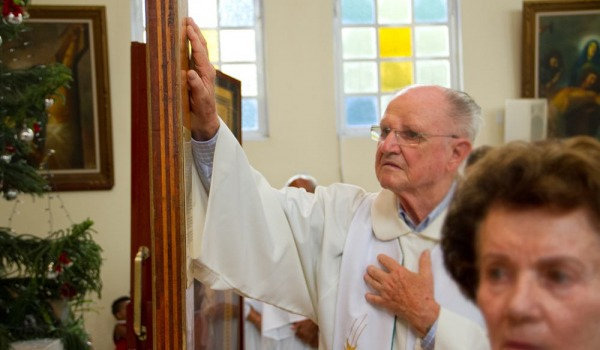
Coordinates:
(140, 330)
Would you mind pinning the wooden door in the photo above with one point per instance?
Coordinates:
(139, 311)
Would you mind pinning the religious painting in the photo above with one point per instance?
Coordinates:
(561, 63)
(76, 153)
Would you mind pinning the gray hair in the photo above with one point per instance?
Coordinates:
(465, 111)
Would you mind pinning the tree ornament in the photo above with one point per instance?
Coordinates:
(12, 19)
(67, 291)
(37, 127)
(10, 122)
(12, 11)
(26, 135)
(64, 260)
(9, 150)
(49, 102)
(11, 194)
(51, 271)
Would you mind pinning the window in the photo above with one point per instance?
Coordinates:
(385, 45)
(232, 29)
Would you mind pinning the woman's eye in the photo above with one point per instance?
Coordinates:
(496, 273)
(558, 277)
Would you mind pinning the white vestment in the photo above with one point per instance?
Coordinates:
(285, 246)
(277, 332)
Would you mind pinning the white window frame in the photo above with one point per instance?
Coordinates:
(138, 33)
(263, 121)
(455, 57)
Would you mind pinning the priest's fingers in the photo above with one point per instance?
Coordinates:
(425, 265)
(389, 263)
(201, 84)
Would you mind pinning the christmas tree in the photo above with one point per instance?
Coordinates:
(44, 282)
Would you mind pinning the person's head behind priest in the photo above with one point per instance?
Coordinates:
(304, 181)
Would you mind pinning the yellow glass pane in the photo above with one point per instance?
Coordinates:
(395, 42)
(212, 40)
(395, 75)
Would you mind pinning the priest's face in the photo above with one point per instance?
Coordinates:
(416, 151)
(539, 278)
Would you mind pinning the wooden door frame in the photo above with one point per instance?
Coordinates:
(168, 108)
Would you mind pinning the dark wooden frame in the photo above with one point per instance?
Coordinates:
(97, 171)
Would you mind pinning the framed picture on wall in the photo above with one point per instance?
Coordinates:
(561, 63)
(78, 129)
(229, 102)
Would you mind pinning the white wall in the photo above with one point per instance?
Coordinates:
(491, 33)
(301, 108)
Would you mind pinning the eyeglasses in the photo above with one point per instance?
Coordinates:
(403, 137)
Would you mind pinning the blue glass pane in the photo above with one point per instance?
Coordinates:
(358, 11)
(361, 110)
(431, 11)
(236, 13)
(249, 114)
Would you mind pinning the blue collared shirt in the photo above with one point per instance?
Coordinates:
(433, 215)
(428, 342)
